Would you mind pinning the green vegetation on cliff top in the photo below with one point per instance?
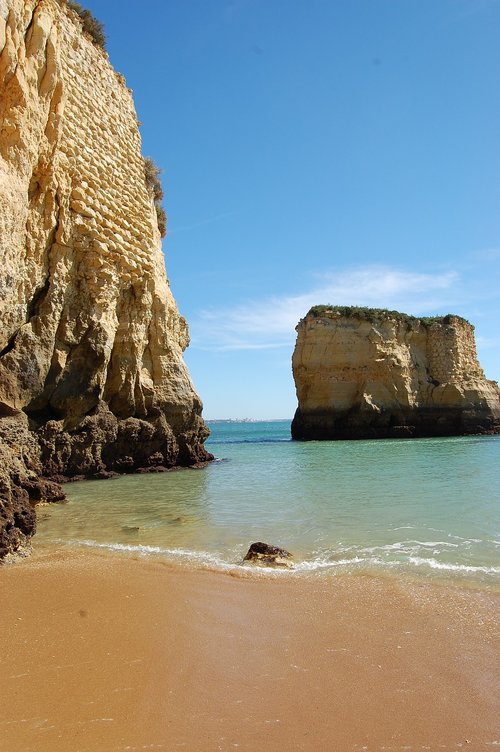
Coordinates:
(376, 315)
(90, 24)
(154, 186)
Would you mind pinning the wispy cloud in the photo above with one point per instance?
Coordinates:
(270, 322)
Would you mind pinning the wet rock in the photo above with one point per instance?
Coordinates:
(152, 469)
(20, 470)
(104, 475)
(43, 490)
(269, 556)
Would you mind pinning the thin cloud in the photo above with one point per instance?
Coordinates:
(270, 323)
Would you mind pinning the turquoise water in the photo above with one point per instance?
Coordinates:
(430, 507)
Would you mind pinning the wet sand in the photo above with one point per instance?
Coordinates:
(103, 653)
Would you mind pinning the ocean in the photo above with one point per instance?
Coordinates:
(425, 507)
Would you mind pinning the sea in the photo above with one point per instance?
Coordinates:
(428, 508)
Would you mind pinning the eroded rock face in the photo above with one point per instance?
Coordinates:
(21, 484)
(91, 340)
(384, 375)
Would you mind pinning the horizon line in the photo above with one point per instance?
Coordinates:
(245, 420)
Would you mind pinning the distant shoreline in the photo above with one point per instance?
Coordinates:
(247, 420)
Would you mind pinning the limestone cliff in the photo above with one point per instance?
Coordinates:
(369, 373)
(91, 340)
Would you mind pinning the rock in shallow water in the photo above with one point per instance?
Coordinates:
(269, 556)
(364, 373)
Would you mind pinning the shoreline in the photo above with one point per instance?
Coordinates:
(111, 652)
(318, 568)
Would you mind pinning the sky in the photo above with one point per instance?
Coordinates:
(340, 152)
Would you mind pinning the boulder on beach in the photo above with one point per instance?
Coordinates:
(270, 556)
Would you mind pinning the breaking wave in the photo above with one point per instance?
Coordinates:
(361, 559)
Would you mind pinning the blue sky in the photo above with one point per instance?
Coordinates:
(328, 151)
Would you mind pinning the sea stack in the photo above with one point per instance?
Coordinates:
(364, 373)
(92, 378)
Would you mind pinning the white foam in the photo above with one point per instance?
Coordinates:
(388, 547)
(434, 564)
(325, 561)
(314, 564)
(404, 527)
(433, 544)
(116, 546)
(184, 554)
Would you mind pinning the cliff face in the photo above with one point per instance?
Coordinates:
(91, 340)
(382, 375)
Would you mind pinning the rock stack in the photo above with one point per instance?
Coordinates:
(369, 373)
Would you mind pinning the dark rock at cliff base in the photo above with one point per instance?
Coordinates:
(45, 490)
(21, 484)
(269, 556)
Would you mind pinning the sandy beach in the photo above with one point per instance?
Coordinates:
(104, 653)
